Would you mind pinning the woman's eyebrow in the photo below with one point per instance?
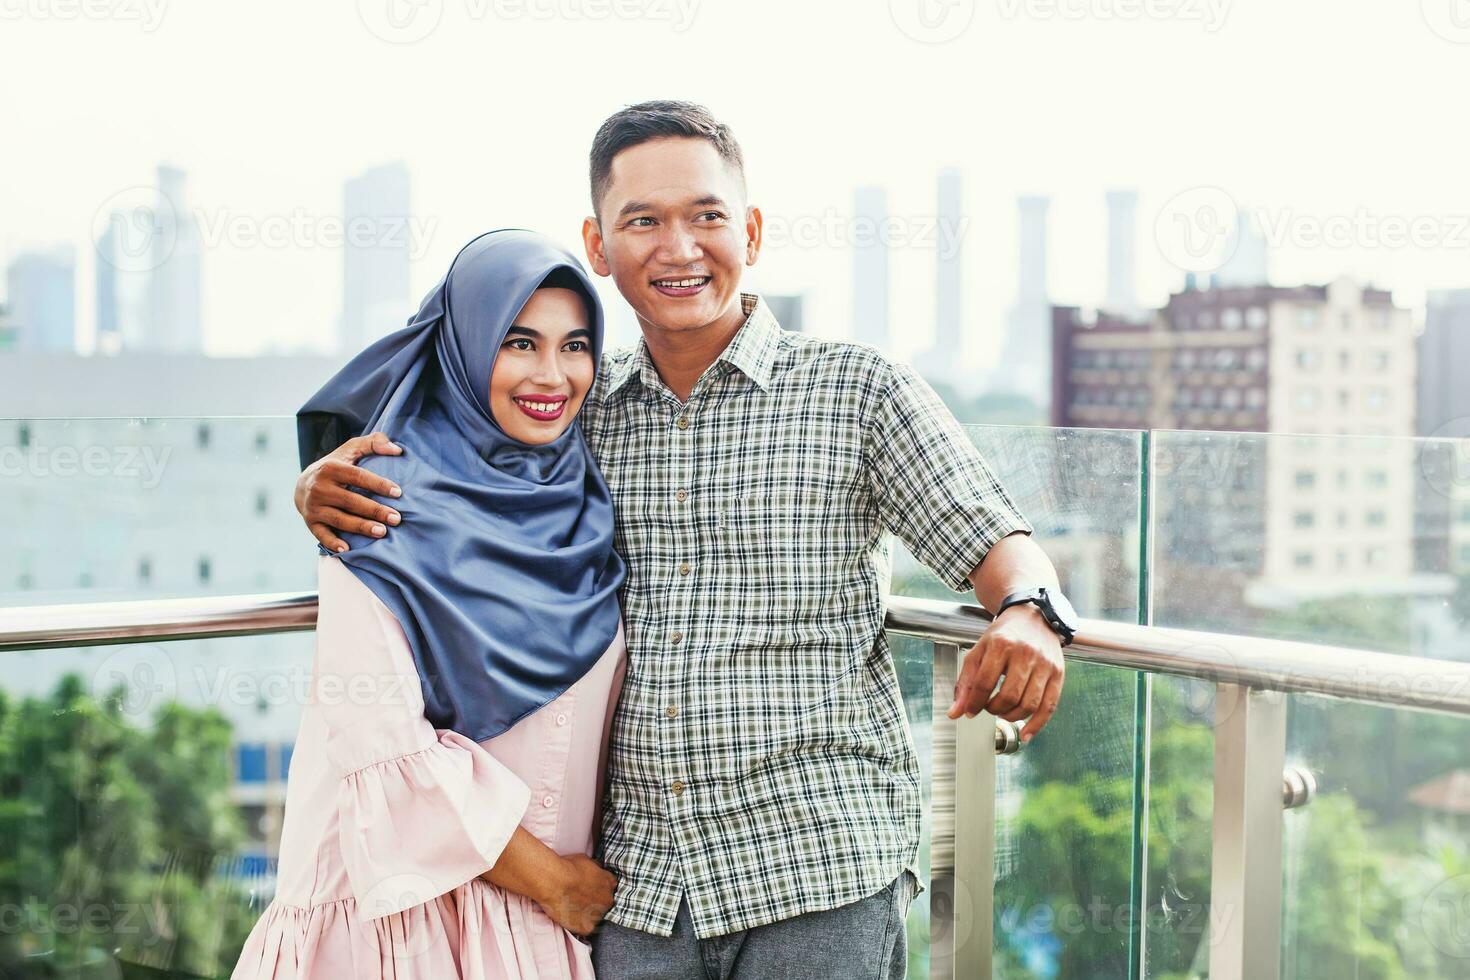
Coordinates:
(528, 332)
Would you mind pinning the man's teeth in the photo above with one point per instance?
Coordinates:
(682, 283)
(540, 406)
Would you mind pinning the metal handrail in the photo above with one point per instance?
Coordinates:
(1277, 665)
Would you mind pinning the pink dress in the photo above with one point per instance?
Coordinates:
(390, 822)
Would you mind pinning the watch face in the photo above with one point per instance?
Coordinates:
(1063, 609)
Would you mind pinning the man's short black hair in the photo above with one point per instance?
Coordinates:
(660, 119)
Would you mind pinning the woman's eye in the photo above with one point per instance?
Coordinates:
(519, 340)
(577, 346)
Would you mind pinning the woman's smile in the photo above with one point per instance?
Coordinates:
(542, 408)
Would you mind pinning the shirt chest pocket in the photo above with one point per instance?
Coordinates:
(778, 531)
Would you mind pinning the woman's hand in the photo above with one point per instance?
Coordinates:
(327, 505)
(581, 895)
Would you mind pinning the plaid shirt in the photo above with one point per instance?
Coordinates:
(760, 761)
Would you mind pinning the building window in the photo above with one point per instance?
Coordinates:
(1303, 559)
(1377, 399)
(1308, 358)
(1304, 518)
(1344, 359)
(1345, 320)
(204, 570)
(262, 502)
(1255, 358)
(1230, 318)
(1344, 398)
(1305, 479)
(23, 436)
(262, 440)
(1375, 518)
(1306, 399)
(1231, 398)
(1206, 319)
(1186, 359)
(1308, 319)
(201, 435)
(1255, 397)
(1377, 479)
(145, 570)
(1225, 358)
(1378, 360)
(1255, 318)
(24, 581)
(1374, 557)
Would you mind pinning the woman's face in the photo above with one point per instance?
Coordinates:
(544, 368)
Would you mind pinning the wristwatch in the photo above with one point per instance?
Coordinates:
(1055, 609)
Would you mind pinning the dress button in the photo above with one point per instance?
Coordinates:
(684, 568)
(561, 719)
(675, 636)
(683, 422)
(677, 787)
(671, 710)
(681, 495)
(546, 801)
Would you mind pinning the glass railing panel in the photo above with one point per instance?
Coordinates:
(143, 803)
(1376, 868)
(1065, 805)
(113, 509)
(1330, 540)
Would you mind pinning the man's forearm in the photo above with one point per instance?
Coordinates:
(1013, 563)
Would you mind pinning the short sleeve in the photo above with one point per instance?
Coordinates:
(932, 486)
(421, 810)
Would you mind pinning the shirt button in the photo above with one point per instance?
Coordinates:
(681, 495)
(675, 636)
(561, 719)
(684, 568)
(677, 787)
(546, 801)
(671, 710)
(682, 423)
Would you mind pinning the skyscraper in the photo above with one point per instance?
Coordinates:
(375, 288)
(1248, 251)
(1444, 357)
(945, 360)
(176, 321)
(870, 267)
(109, 327)
(1025, 364)
(788, 309)
(1122, 240)
(42, 298)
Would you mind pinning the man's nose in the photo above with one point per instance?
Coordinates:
(678, 245)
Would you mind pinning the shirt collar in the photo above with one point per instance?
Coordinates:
(753, 350)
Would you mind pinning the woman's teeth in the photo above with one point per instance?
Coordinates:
(540, 406)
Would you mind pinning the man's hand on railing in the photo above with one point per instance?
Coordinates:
(326, 503)
(1022, 648)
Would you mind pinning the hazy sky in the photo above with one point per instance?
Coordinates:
(1326, 115)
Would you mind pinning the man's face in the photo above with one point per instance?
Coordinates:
(674, 233)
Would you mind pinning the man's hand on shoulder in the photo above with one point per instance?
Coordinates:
(327, 505)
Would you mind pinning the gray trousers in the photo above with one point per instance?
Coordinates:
(861, 941)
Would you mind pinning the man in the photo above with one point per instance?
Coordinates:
(762, 814)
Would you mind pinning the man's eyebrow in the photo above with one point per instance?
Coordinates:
(708, 200)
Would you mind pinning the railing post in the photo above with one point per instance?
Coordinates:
(962, 833)
(1245, 872)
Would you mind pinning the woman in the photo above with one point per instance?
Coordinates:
(443, 792)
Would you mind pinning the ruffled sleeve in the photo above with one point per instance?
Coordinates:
(421, 810)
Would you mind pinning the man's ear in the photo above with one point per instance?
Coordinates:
(754, 224)
(592, 241)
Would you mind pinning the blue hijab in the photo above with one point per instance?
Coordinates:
(502, 573)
